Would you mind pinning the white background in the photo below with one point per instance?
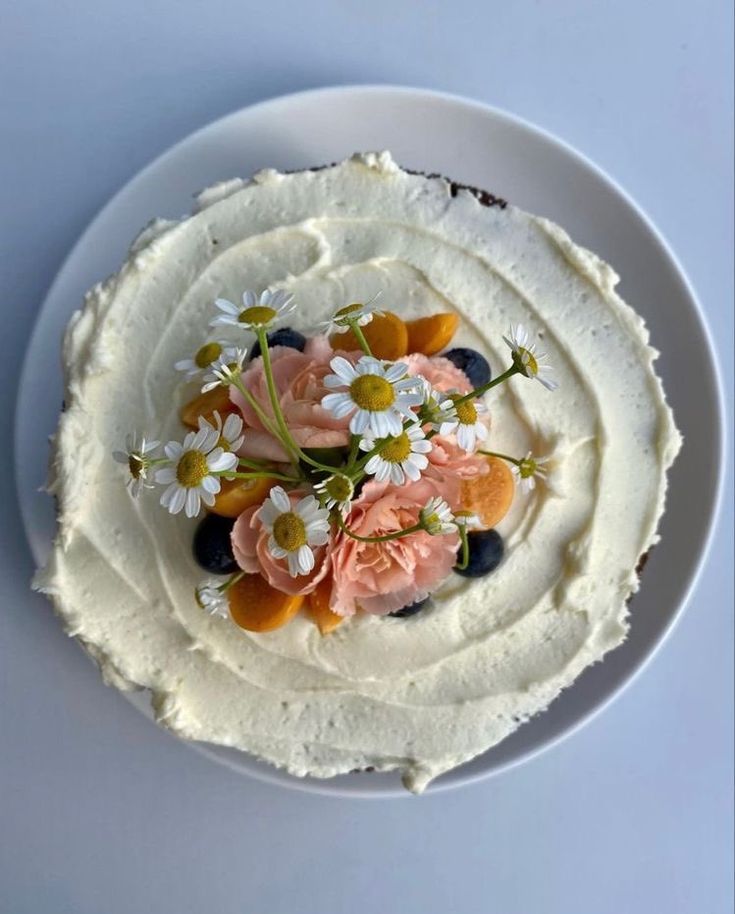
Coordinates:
(100, 812)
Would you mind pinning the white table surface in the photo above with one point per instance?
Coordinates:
(101, 813)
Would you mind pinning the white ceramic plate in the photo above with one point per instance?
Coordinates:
(486, 148)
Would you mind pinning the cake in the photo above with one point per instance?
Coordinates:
(386, 679)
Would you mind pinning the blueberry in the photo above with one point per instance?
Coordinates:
(472, 363)
(285, 336)
(410, 610)
(212, 546)
(486, 553)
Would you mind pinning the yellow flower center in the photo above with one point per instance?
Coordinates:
(191, 469)
(258, 315)
(527, 362)
(372, 393)
(339, 488)
(289, 531)
(397, 449)
(209, 353)
(136, 465)
(223, 443)
(466, 412)
(348, 309)
(527, 467)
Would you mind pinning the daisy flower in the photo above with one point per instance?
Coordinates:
(336, 491)
(399, 456)
(357, 313)
(225, 370)
(136, 457)
(528, 469)
(210, 596)
(378, 396)
(435, 408)
(437, 518)
(530, 363)
(190, 475)
(201, 360)
(255, 313)
(230, 437)
(466, 423)
(294, 529)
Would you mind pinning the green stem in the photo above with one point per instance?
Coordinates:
(253, 464)
(357, 330)
(223, 588)
(486, 387)
(465, 560)
(258, 409)
(510, 459)
(228, 474)
(285, 436)
(377, 539)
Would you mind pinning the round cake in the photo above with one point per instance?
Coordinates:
(418, 686)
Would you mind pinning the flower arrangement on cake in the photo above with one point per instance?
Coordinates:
(341, 473)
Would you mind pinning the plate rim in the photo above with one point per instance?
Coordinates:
(330, 787)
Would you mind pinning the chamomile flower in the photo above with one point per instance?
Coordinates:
(230, 432)
(398, 456)
(528, 470)
(466, 423)
(435, 408)
(530, 363)
(436, 517)
(205, 356)
(191, 473)
(360, 313)
(294, 529)
(255, 313)
(225, 370)
(467, 519)
(336, 491)
(212, 598)
(136, 457)
(378, 396)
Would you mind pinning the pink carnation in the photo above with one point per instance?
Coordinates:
(299, 380)
(250, 547)
(439, 372)
(383, 577)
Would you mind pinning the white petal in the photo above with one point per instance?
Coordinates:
(383, 471)
(278, 552)
(466, 437)
(306, 559)
(480, 431)
(178, 500)
(318, 537)
(165, 475)
(232, 426)
(223, 461)
(268, 514)
(173, 450)
(280, 499)
(293, 564)
(396, 474)
(343, 369)
(211, 484)
(207, 497)
(193, 503)
(227, 306)
(360, 421)
(373, 464)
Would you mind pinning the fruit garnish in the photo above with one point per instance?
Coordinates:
(284, 336)
(205, 405)
(258, 607)
(486, 551)
(212, 545)
(386, 334)
(472, 363)
(430, 335)
(317, 606)
(235, 495)
(489, 496)
(411, 609)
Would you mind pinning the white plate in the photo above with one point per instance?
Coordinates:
(486, 148)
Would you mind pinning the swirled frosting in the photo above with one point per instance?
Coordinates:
(422, 694)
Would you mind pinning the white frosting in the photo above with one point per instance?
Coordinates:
(423, 694)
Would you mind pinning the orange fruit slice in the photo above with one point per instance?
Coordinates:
(238, 494)
(489, 496)
(386, 335)
(318, 607)
(205, 404)
(258, 607)
(430, 335)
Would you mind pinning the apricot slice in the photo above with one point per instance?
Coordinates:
(430, 335)
(489, 496)
(318, 608)
(205, 405)
(238, 494)
(386, 335)
(258, 607)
